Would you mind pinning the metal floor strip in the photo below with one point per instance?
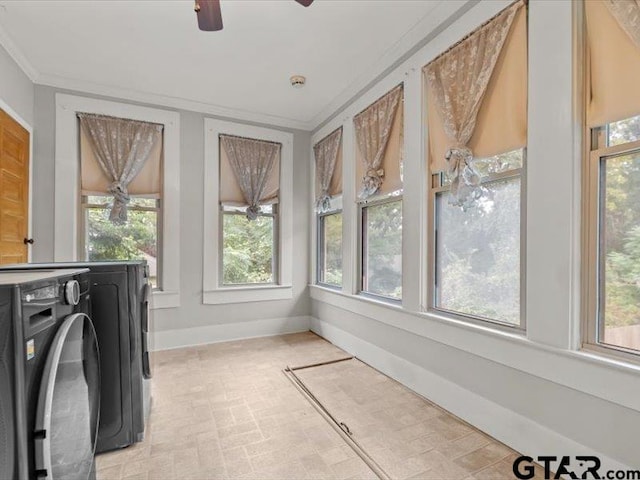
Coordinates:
(340, 427)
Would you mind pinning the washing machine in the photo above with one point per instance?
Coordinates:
(50, 376)
(120, 309)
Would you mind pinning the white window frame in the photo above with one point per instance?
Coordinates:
(375, 201)
(213, 290)
(336, 209)
(438, 186)
(593, 275)
(67, 184)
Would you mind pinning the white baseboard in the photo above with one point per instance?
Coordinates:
(186, 337)
(518, 432)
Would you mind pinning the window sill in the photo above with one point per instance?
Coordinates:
(243, 294)
(609, 379)
(165, 299)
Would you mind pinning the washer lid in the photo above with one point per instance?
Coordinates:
(69, 401)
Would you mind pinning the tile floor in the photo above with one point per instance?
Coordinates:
(226, 411)
(409, 437)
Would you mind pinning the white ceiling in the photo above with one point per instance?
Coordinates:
(153, 51)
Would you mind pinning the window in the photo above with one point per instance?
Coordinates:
(249, 192)
(612, 183)
(477, 254)
(379, 135)
(248, 204)
(73, 186)
(249, 248)
(138, 239)
(113, 230)
(615, 167)
(382, 248)
(330, 249)
(328, 157)
(475, 191)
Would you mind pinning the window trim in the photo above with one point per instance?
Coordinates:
(67, 204)
(433, 190)
(213, 291)
(362, 205)
(320, 242)
(597, 150)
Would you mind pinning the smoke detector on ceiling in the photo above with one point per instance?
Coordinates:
(298, 81)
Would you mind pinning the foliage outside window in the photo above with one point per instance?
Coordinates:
(249, 246)
(330, 249)
(382, 248)
(137, 239)
(615, 163)
(477, 251)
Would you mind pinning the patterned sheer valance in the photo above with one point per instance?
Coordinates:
(476, 94)
(327, 152)
(613, 60)
(253, 164)
(118, 151)
(379, 165)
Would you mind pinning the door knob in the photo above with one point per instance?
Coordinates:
(28, 241)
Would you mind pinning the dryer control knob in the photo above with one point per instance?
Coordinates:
(72, 292)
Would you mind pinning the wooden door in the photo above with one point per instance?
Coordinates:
(14, 190)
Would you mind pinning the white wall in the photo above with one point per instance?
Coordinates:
(537, 391)
(192, 322)
(16, 89)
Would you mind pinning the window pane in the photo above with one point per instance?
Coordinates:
(478, 254)
(501, 163)
(623, 131)
(247, 255)
(135, 240)
(620, 251)
(330, 268)
(382, 254)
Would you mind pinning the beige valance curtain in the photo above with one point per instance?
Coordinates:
(477, 100)
(326, 153)
(613, 60)
(379, 136)
(119, 157)
(249, 173)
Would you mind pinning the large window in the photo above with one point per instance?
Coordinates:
(249, 247)
(328, 191)
(137, 239)
(379, 135)
(612, 182)
(477, 132)
(330, 248)
(127, 226)
(248, 204)
(249, 193)
(382, 248)
(477, 251)
(615, 173)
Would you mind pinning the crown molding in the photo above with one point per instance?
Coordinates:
(14, 52)
(417, 36)
(422, 32)
(82, 86)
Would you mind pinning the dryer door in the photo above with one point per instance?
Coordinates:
(68, 406)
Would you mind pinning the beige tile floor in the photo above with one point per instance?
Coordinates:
(226, 411)
(409, 437)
